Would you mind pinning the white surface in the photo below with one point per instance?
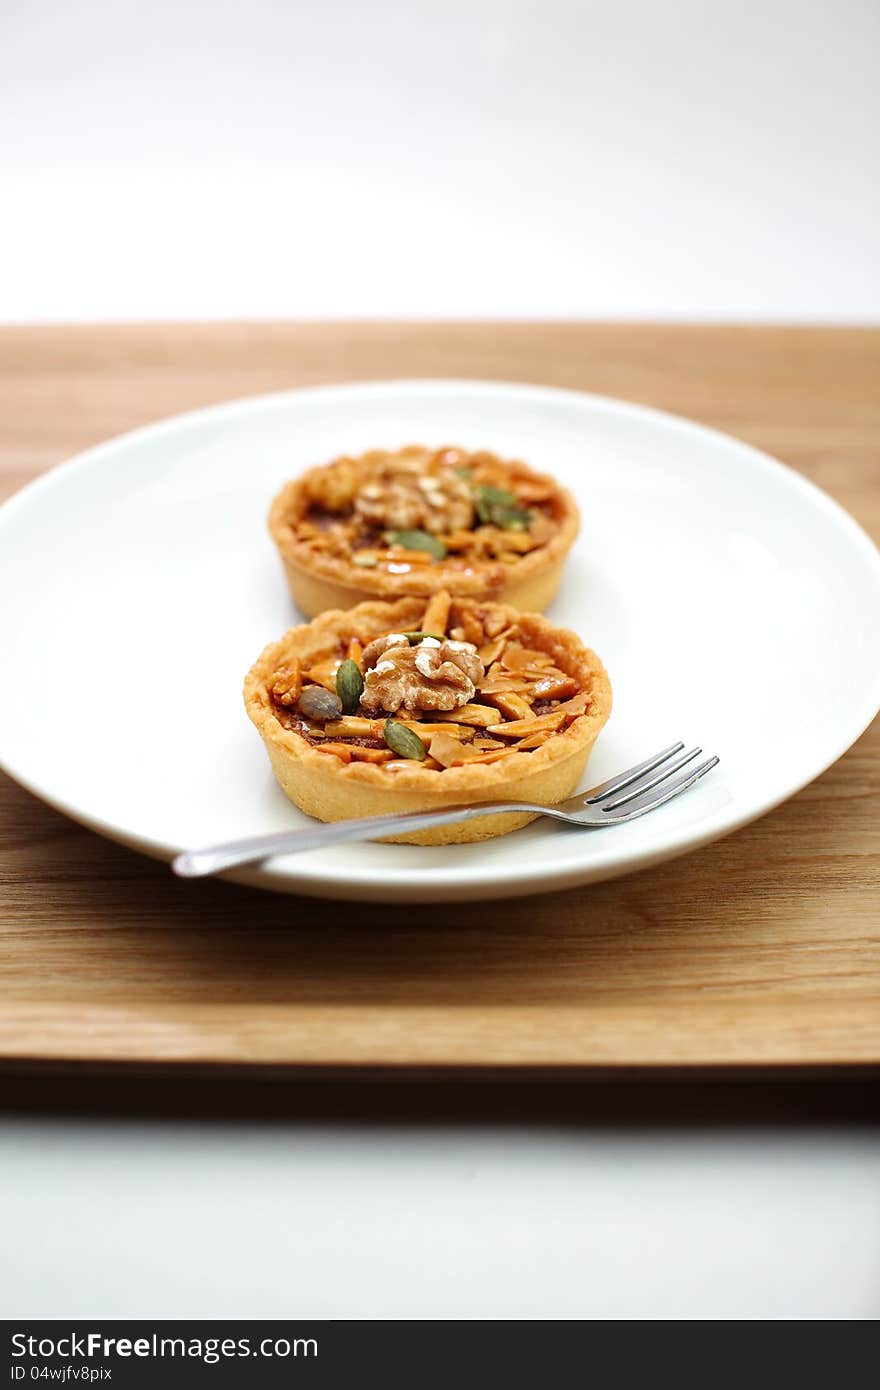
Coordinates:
(294, 1221)
(714, 583)
(506, 157)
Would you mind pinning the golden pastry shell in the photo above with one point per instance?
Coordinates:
(328, 789)
(319, 581)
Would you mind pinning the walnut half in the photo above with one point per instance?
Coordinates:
(432, 675)
(430, 501)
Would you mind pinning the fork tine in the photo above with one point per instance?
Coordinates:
(641, 785)
(623, 779)
(649, 800)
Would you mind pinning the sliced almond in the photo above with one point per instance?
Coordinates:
(473, 628)
(528, 491)
(370, 755)
(519, 541)
(399, 556)
(492, 650)
(324, 673)
(536, 741)
(446, 749)
(575, 706)
(503, 684)
(457, 540)
(468, 758)
(480, 715)
(522, 728)
(556, 688)
(542, 528)
(353, 726)
(541, 673)
(512, 706)
(436, 615)
(426, 729)
(494, 625)
(517, 658)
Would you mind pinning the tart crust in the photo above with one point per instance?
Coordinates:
(324, 787)
(320, 580)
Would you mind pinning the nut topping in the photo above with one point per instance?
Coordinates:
(373, 650)
(332, 487)
(435, 502)
(287, 683)
(444, 701)
(433, 675)
(319, 704)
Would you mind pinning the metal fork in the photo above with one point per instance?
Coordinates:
(630, 794)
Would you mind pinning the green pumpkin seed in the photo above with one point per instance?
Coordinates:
(367, 562)
(414, 638)
(349, 685)
(418, 540)
(512, 518)
(486, 499)
(403, 741)
(492, 495)
(498, 507)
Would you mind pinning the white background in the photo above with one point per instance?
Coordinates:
(637, 159)
(295, 1220)
(570, 158)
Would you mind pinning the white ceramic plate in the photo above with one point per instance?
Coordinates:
(734, 605)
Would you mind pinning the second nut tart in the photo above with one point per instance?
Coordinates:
(417, 521)
(409, 706)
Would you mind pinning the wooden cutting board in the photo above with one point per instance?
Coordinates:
(760, 951)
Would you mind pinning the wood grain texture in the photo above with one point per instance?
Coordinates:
(763, 949)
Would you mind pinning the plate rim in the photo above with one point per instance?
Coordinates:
(475, 883)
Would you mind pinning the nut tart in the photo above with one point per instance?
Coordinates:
(417, 521)
(409, 706)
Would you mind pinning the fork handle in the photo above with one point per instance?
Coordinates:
(197, 863)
